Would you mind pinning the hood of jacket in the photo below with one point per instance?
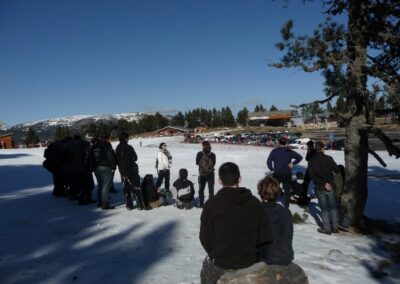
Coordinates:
(238, 195)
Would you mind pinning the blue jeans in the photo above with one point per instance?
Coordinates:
(104, 181)
(329, 213)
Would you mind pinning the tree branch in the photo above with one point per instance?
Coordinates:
(392, 149)
(318, 101)
(377, 157)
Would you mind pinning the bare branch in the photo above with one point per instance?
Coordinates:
(392, 149)
(377, 157)
(318, 102)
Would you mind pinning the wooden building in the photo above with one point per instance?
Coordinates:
(271, 118)
(172, 131)
(6, 141)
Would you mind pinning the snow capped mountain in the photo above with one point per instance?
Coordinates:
(72, 121)
(47, 127)
(3, 127)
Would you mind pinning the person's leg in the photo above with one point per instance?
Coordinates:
(100, 182)
(167, 177)
(160, 179)
(210, 273)
(127, 188)
(324, 205)
(211, 182)
(202, 185)
(333, 212)
(287, 187)
(107, 172)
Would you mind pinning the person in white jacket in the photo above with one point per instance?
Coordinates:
(163, 164)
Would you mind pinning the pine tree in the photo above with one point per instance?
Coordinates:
(273, 108)
(367, 46)
(31, 138)
(243, 116)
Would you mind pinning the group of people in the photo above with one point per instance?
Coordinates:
(237, 229)
(73, 160)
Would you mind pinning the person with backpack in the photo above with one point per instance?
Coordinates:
(163, 164)
(101, 161)
(129, 170)
(183, 191)
(206, 161)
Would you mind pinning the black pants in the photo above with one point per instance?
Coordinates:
(131, 186)
(164, 174)
(286, 180)
(203, 179)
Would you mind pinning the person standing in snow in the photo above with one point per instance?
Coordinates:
(163, 164)
(101, 160)
(129, 170)
(281, 161)
(232, 228)
(322, 168)
(206, 161)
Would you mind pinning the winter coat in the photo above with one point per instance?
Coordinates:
(232, 228)
(101, 154)
(213, 158)
(126, 159)
(321, 168)
(280, 251)
(163, 163)
(185, 189)
(281, 157)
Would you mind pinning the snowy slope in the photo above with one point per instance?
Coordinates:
(49, 240)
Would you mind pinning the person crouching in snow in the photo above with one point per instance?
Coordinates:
(183, 191)
(299, 193)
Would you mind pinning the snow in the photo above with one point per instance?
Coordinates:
(52, 240)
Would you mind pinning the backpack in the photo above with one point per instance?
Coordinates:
(206, 164)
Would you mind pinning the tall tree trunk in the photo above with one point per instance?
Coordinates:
(357, 101)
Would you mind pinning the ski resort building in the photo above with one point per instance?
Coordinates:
(6, 141)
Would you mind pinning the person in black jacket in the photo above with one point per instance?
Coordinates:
(183, 190)
(322, 168)
(101, 160)
(129, 170)
(206, 161)
(233, 227)
(310, 153)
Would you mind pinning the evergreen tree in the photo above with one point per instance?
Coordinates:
(31, 138)
(243, 116)
(178, 119)
(273, 108)
(62, 132)
(367, 46)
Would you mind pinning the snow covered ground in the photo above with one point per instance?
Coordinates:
(52, 240)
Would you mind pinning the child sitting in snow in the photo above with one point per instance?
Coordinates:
(183, 191)
(299, 193)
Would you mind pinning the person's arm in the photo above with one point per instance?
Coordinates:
(269, 161)
(297, 158)
(206, 230)
(198, 157)
(134, 155)
(213, 158)
(265, 232)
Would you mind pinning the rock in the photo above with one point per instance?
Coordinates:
(261, 273)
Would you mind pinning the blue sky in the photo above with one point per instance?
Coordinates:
(71, 57)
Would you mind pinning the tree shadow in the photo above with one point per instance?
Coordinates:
(55, 241)
(19, 177)
(12, 156)
(383, 173)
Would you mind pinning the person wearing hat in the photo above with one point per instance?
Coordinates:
(281, 161)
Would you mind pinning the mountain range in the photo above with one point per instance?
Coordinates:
(46, 128)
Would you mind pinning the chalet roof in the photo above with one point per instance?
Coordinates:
(183, 129)
(2, 135)
(284, 114)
